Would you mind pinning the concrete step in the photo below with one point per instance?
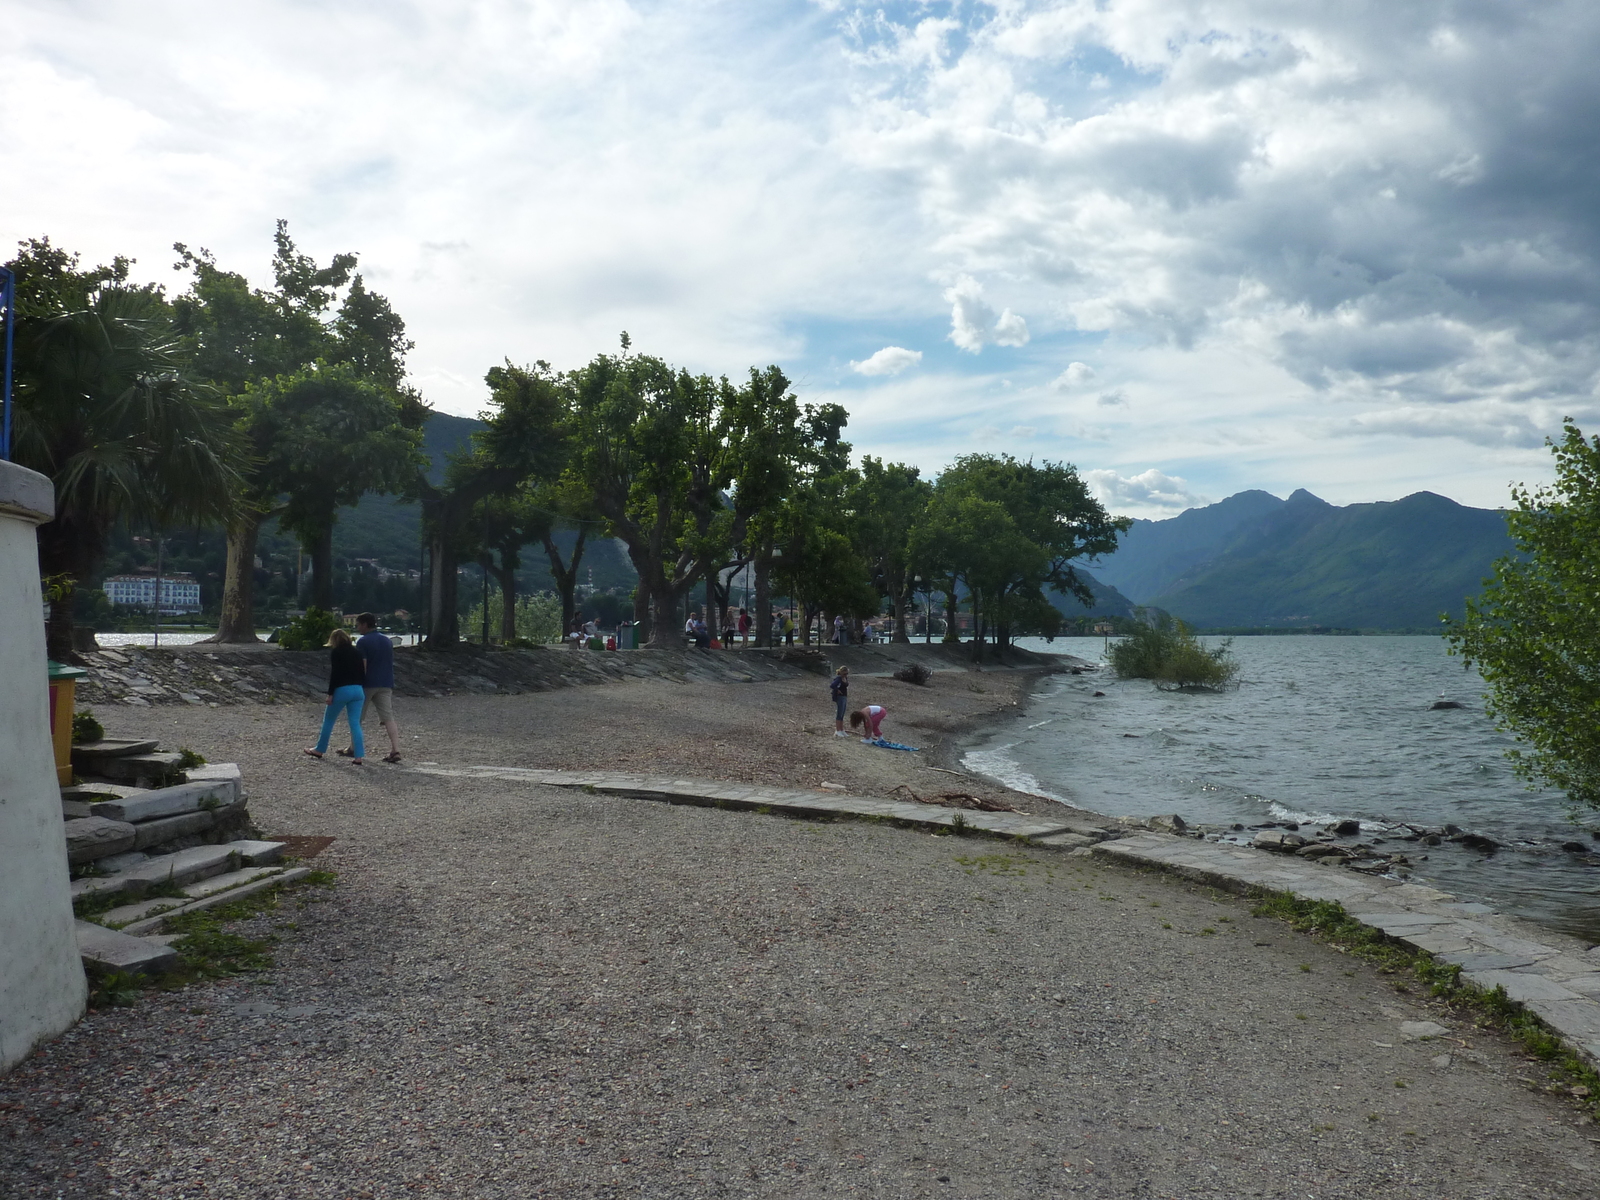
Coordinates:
(170, 801)
(228, 881)
(108, 950)
(89, 757)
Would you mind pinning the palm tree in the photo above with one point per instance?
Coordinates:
(104, 409)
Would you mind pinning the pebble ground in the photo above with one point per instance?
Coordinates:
(524, 991)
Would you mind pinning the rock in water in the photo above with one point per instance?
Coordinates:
(1347, 828)
(1169, 823)
(1446, 704)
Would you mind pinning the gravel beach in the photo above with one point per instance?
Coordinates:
(517, 990)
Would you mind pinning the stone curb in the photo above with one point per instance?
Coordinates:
(1552, 976)
(708, 793)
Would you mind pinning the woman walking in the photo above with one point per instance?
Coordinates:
(347, 674)
(839, 689)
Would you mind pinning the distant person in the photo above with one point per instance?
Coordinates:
(346, 675)
(688, 625)
(788, 630)
(377, 685)
(727, 629)
(744, 628)
(838, 630)
(839, 689)
(872, 718)
(702, 635)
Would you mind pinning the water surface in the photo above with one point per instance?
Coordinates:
(1319, 728)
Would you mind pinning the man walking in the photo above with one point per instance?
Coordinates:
(377, 655)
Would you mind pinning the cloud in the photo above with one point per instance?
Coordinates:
(1116, 398)
(1148, 489)
(973, 324)
(891, 360)
(1076, 375)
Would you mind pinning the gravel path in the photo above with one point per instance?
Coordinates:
(522, 991)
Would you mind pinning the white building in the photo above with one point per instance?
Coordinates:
(180, 592)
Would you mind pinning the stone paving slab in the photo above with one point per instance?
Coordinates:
(1553, 976)
(185, 866)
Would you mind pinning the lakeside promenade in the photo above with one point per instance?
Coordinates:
(517, 989)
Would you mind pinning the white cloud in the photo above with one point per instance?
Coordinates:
(1076, 375)
(1319, 246)
(1146, 490)
(891, 360)
(973, 324)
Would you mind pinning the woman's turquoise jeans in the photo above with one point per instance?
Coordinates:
(347, 700)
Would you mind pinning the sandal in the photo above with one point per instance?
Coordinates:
(392, 757)
(312, 753)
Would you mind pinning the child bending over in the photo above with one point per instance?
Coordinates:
(871, 717)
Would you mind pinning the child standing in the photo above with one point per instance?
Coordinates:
(839, 689)
(872, 717)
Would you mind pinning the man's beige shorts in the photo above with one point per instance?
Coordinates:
(381, 700)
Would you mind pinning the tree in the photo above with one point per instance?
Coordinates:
(252, 345)
(1531, 632)
(645, 448)
(334, 436)
(105, 408)
(887, 503)
(1042, 521)
(525, 440)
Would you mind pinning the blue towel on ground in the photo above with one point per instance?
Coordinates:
(886, 744)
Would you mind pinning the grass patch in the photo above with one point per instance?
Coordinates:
(1329, 922)
(995, 864)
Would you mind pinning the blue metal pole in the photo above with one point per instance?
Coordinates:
(8, 297)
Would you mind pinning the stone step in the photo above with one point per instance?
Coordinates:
(170, 801)
(126, 914)
(143, 769)
(228, 881)
(164, 829)
(89, 838)
(185, 866)
(108, 950)
(89, 757)
(95, 790)
(154, 924)
(256, 854)
(220, 774)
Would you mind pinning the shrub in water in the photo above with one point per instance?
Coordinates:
(1169, 654)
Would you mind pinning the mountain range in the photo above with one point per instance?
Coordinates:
(1255, 561)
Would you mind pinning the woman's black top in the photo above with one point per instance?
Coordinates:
(347, 669)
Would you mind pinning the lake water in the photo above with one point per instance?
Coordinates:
(1319, 729)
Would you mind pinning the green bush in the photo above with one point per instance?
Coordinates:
(85, 728)
(1168, 653)
(537, 617)
(309, 632)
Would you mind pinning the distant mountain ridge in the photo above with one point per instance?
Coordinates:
(1256, 561)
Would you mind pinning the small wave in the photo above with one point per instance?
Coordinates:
(1000, 766)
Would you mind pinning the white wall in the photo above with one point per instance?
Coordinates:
(42, 987)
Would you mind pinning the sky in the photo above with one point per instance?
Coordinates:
(1190, 246)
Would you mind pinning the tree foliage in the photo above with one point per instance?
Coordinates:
(1531, 632)
(106, 408)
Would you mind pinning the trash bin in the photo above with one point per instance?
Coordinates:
(63, 704)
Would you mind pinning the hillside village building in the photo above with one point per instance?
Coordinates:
(180, 592)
